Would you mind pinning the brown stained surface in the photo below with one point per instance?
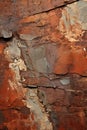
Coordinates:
(43, 65)
(29, 7)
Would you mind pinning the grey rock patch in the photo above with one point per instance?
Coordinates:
(65, 81)
(27, 37)
(6, 34)
(39, 60)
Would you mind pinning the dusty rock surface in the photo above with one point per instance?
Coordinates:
(43, 65)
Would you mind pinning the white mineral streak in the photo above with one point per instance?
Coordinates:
(40, 114)
(16, 64)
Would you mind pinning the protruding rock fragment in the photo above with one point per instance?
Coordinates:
(6, 34)
(65, 81)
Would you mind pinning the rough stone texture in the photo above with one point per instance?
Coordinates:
(43, 65)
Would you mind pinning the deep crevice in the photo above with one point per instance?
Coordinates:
(4, 40)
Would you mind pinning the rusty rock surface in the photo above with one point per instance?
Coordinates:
(43, 65)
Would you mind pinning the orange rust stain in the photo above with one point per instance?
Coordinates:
(71, 61)
(7, 94)
(12, 109)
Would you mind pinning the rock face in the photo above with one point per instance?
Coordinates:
(43, 65)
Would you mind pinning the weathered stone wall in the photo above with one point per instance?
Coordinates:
(43, 65)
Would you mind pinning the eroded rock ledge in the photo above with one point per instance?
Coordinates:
(43, 69)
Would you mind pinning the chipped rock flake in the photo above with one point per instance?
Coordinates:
(6, 34)
(20, 63)
(65, 81)
(17, 66)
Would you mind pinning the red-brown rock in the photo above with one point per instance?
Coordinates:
(43, 65)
